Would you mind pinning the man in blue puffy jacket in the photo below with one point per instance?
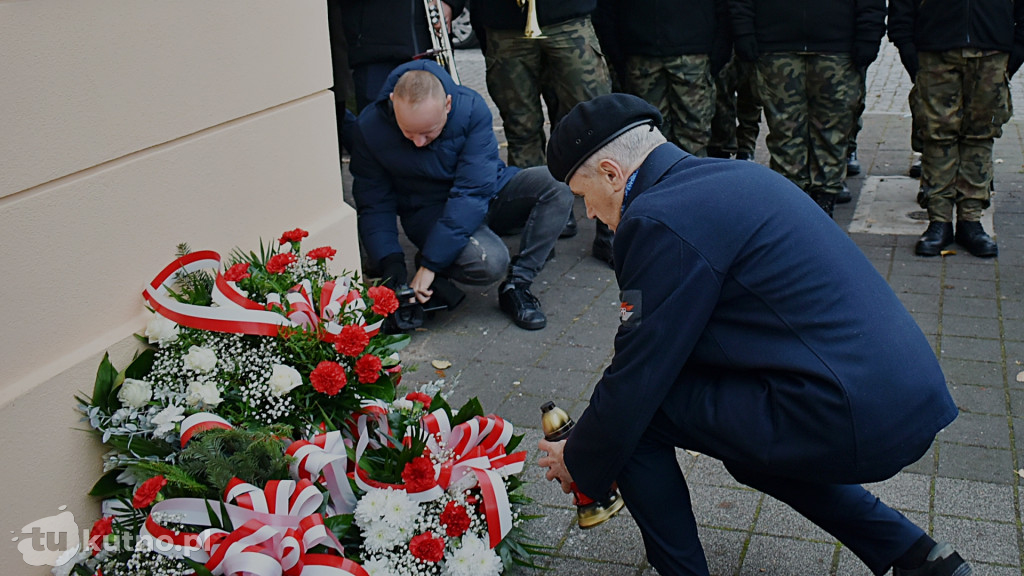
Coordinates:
(425, 152)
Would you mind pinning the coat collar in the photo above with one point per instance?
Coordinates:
(657, 163)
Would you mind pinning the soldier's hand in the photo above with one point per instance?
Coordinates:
(864, 53)
(908, 56)
(746, 47)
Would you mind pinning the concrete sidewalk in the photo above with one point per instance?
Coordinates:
(966, 490)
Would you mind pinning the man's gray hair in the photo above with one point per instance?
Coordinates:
(630, 149)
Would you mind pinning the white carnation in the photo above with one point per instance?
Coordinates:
(284, 379)
(202, 393)
(402, 404)
(135, 393)
(473, 558)
(166, 419)
(161, 330)
(200, 359)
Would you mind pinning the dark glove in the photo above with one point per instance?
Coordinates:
(392, 269)
(864, 53)
(746, 47)
(908, 55)
(1016, 59)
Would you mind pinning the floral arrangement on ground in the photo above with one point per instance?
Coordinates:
(261, 431)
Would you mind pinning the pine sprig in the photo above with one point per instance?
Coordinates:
(255, 455)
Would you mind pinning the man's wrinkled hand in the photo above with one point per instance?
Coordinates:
(555, 464)
(421, 284)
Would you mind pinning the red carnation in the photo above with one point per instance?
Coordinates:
(101, 529)
(419, 397)
(148, 491)
(328, 378)
(384, 301)
(352, 340)
(237, 272)
(293, 236)
(455, 519)
(322, 253)
(418, 475)
(279, 262)
(427, 548)
(368, 369)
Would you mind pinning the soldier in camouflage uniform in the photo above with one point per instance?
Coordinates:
(808, 53)
(737, 119)
(670, 53)
(960, 54)
(568, 55)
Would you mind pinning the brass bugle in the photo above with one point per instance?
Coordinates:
(532, 24)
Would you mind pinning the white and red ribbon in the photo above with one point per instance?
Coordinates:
(323, 459)
(236, 314)
(201, 422)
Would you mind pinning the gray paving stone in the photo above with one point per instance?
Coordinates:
(975, 463)
(720, 507)
(707, 470)
(778, 519)
(915, 284)
(975, 372)
(963, 348)
(978, 430)
(919, 303)
(723, 549)
(955, 325)
(915, 268)
(1017, 407)
(592, 544)
(979, 541)
(980, 399)
(781, 556)
(956, 303)
(974, 500)
(905, 492)
(968, 288)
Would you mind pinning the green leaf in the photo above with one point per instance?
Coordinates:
(105, 377)
(469, 410)
(140, 446)
(108, 486)
(214, 519)
(339, 524)
(514, 442)
(199, 568)
(141, 365)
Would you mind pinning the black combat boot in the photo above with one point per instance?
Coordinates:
(972, 236)
(935, 238)
(852, 164)
(844, 196)
(826, 201)
(941, 561)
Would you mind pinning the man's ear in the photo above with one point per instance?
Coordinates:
(448, 104)
(391, 96)
(611, 170)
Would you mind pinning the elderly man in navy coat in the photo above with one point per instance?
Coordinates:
(425, 152)
(753, 330)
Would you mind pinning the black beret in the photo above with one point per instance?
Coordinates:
(592, 124)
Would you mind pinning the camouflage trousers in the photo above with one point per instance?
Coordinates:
(737, 119)
(858, 111)
(680, 87)
(916, 119)
(964, 102)
(568, 57)
(809, 101)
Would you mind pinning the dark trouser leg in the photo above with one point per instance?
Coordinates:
(368, 80)
(877, 534)
(483, 261)
(653, 487)
(534, 197)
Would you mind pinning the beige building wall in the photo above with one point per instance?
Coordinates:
(127, 127)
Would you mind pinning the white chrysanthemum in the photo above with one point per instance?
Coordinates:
(399, 511)
(379, 567)
(473, 558)
(379, 537)
(370, 508)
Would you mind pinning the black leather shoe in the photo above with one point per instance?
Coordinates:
(602, 250)
(935, 238)
(972, 236)
(941, 561)
(570, 228)
(852, 164)
(844, 197)
(521, 305)
(915, 168)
